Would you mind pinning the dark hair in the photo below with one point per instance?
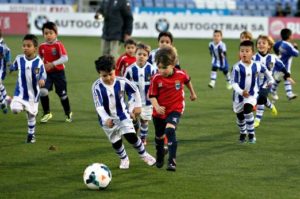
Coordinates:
(285, 34)
(165, 34)
(218, 31)
(49, 25)
(129, 42)
(144, 47)
(166, 56)
(32, 38)
(105, 63)
(247, 43)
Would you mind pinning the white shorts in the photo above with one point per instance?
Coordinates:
(147, 113)
(115, 133)
(19, 104)
(239, 106)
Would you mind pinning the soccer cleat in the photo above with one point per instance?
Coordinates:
(31, 138)
(171, 167)
(149, 159)
(211, 84)
(256, 123)
(292, 96)
(242, 138)
(228, 86)
(274, 111)
(46, 117)
(4, 108)
(252, 139)
(124, 164)
(69, 117)
(274, 96)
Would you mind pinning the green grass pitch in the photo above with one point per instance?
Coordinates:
(210, 163)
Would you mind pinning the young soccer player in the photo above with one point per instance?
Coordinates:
(286, 51)
(164, 39)
(264, 46)
(32, 76)
(166, 94)
(54, 55)
(109, 98)
(245, 89)
(245, 35)
(5, 61)
(140, 74)
(127, 58)
(217, 50)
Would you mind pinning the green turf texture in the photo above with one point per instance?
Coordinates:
(210, 162)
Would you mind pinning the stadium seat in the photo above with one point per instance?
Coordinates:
(138, 3)
(148, 3)
(14, 1)
(180, 3)
(59, 2)
(170, 3)
(3, 1)
(47, 2)
(190, 4)
(69, 2)
(159, 3)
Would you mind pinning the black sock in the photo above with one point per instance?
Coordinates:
(45, 104)
(159, 149)
(172, 144)
(66, 105)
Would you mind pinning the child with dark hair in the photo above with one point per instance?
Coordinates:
(244, 81)
(31, 72)
(113, 113)
(166, 94)
(127, 58)
(54, 55)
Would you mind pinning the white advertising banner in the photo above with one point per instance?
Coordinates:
(148, 25)
(10, 7)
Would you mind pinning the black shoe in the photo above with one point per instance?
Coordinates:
(243, 138)
(171, 167)
(31, 138)
(159, 164)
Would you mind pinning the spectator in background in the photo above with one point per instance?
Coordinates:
(298, 9)
(117, 26)
(287, 9)
(279, 10)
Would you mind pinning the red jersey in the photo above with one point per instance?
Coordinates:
(51, 52)
(123, 62)
(169, 92)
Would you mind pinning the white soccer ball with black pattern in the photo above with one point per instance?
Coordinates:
(97, 176)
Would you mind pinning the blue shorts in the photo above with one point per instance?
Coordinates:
(160, 124)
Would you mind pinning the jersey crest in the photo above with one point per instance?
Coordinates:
(177, 84)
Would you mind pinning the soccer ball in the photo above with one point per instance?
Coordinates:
(97, 176)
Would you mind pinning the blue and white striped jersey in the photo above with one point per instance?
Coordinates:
(273, 64)
(30, 72)
(151, 58)
(218, 53)
(141, 77)
(4, 59)
(286, 52)
(7, 53)
(245, 77)
(110, 102)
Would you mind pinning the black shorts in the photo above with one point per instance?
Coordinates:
(59, 81)
(160, 124)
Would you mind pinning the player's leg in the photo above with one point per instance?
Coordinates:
(213, 77)
(44, 98)
(15, 106)
(60, 84)
(274, 89)
(289, 90)
(172, 121)
(249, 118)
(227, 78)
(121, 152)
(242, 126)
(146, 116)
(31, 121)
(260, 107)
(159, 125)
(3, 94)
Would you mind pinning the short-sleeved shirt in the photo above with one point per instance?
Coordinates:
(169, 92)
(123, 62)
(51, 52)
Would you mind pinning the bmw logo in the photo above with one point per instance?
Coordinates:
(39, 21)
(162, 25)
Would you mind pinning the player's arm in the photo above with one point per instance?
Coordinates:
(193, 95)
(294, 50)
(235, 82)
(152, 94)
(268, 75)
(135, 103)
(14, 66)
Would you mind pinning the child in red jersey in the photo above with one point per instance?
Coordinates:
(54, 56)
(166, 94)
(127, 58)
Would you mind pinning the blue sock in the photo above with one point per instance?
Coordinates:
(172, 144)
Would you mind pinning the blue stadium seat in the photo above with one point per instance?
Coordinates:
(148, 3)
(190, 4)
(14, 1)
(59, 2)
(241, 5)
(47, 2)
(138, 3)
(3, 1)
(170, 3)
(180, 3)
(69, 2)
(159, 3)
